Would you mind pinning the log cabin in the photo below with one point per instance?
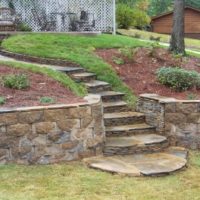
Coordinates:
(163, 23)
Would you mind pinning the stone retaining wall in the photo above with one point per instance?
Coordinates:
(52, 134)
(177, 119)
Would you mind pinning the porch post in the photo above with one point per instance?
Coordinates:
(114, 17)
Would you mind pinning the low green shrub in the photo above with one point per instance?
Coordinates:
(47, 100)
(177, 78)
(2, 100)
(118, 61)
(18, 81)
(23, 27)
(128, 52)
(192, 96)
(153, 47)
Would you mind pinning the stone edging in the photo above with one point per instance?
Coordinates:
(34, 59)
(162, 99)
(90, 99)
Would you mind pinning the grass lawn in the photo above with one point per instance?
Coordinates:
(78, 49)
(76, 182)
(190, 43)
(65, 80)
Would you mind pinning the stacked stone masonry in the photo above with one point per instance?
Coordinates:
(179, 120)
(44, 135)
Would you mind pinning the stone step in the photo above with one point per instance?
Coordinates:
(155, 164)
(96, 86)
(83, 77)
(69, 70)
(129, 130)
(146, 143)
(123, 118)
(112, 107)
(111, 96)
(177, 151)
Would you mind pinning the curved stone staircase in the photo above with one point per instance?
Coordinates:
(132, 146)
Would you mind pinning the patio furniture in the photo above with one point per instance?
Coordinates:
(84, 23)
(62, 20)
(7, 19)
(44, 22)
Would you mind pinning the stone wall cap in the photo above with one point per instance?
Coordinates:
(93, 98)
(36, 108)
(158, 98)
(163, 99)
(90, 99)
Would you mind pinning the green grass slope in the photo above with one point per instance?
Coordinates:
(77, 49)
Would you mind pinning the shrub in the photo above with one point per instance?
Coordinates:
(192, 96)
(23, 27)
(118, 61)
(2, 100)
(177, 78)
(19, 81)
(153, 47)
(127, 17)
(47, 100)
(155, 38)
(140, 19)
(128, 52)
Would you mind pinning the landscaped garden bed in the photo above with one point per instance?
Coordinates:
(138, 69)
(29, 85)
(40, 89)
(75, 49)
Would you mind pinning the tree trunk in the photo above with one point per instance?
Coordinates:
(177, 43)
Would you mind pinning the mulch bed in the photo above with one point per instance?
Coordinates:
(140, 72)
(40, 86)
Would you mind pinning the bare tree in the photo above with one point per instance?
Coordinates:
(177, 43)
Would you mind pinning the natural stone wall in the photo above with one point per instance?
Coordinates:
(177, 119)
(51, 134)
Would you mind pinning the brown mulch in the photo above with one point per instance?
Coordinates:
(40, 86)
(139, 73)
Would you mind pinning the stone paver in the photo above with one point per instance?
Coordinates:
(110, 164)
(178, 151)
(144, 139)
(139, 164)
(122, 115)
(129, 127)
(96, 83)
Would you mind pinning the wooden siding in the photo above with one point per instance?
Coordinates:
(164, 23)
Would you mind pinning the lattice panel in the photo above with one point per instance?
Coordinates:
(64, 15)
